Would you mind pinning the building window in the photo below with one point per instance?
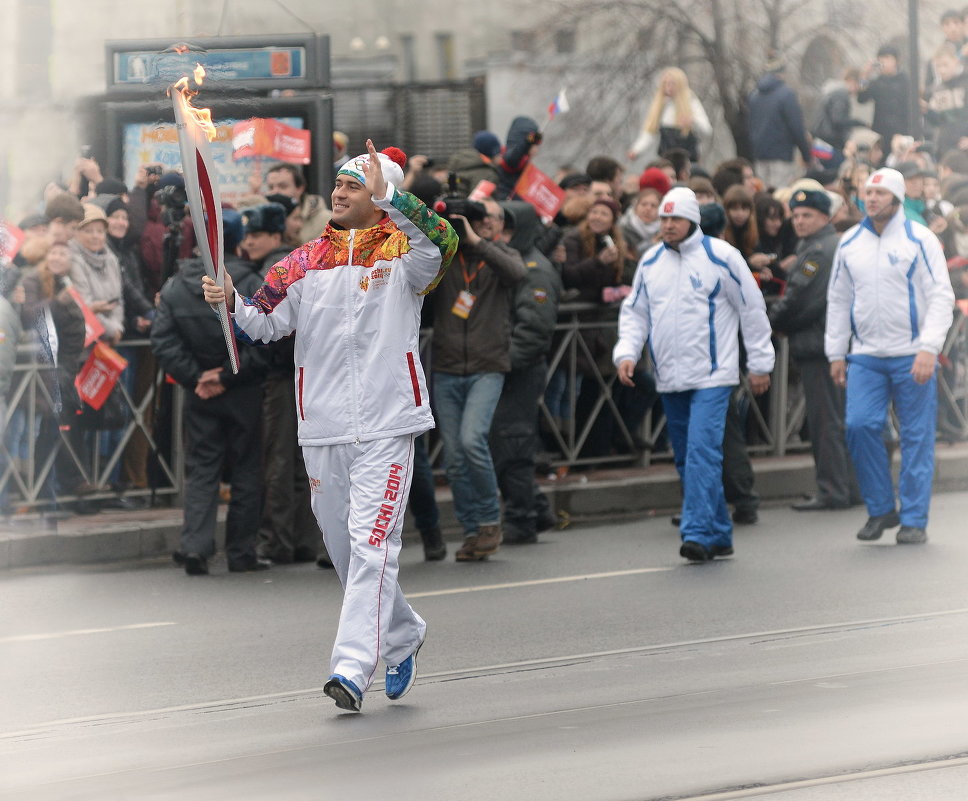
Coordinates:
(409, 58)
(445, 56)
(522, 41)
(565, 40)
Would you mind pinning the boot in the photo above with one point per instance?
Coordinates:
(489, 539)
(433, 544)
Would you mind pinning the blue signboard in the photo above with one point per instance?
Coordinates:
(249, 65)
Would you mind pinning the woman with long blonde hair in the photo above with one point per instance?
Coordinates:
(676, 118)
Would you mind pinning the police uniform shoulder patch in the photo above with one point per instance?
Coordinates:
(809, 268)
(540, 295)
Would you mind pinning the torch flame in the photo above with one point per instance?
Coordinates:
(201, 116)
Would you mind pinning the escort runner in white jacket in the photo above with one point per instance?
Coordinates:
(889, 306)
(690, 296)
(353, 299)
(689, 306)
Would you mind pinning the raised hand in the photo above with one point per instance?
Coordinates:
(376, 184)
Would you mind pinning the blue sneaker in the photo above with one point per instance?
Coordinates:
(346, 694)
(401, 677)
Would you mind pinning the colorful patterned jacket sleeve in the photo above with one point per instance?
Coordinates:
(433, 242)
(271, 312)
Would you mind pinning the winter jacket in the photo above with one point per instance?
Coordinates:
(891, 115)
(889, 295)
(522, 134)
(948, 111)
(833, 121)
(10, 332)
(353, 298)
(537, 295)
(776, 121)
(187, 335)
(689, 305)
(470, 168)
(66, 315)
(97, 276)
(481, 343)
(801, 313)
(136, 303)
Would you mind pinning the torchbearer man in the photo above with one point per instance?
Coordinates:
(353, 297)
(889, 303)
(690, 297)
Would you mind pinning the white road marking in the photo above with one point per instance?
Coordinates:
(56, 635)
(222, 704)
(844, 778)
(539, 582)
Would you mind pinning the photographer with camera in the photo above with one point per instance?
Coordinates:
(470, 356)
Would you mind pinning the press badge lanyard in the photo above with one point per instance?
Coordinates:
(465, 300)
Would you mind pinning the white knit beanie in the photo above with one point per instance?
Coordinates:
(889, 179)
(680, 201)
(392, 159)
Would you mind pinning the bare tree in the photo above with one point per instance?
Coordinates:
(724, 45)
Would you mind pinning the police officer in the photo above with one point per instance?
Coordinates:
(801, 314)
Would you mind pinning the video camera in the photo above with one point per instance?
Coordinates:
(173, 201)
(454, 203)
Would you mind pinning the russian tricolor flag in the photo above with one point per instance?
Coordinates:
(559, 105)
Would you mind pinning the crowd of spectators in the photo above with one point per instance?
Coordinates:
(96, 249)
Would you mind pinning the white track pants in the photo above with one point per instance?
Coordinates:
(359, 496)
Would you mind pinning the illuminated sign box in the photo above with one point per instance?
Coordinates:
(230, 62)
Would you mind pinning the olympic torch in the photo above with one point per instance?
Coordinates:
(195, 131)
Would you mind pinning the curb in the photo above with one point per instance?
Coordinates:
(579, 497)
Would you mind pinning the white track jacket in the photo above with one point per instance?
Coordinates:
(890, 293)
(689, 305)
(353, 298)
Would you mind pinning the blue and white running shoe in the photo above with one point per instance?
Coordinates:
(400, 678)
(346, 694)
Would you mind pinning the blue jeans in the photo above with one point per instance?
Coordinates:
(696, 422)
(465, 405)
(872, 383)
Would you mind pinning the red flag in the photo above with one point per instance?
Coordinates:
(93, 328)
(540, 191)
(99, 375)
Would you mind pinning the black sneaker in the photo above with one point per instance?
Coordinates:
(720, 550)
(875, 526)
(911, 535)
(693, 551)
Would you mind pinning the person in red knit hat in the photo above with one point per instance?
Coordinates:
(353, 296)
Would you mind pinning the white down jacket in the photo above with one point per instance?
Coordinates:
(891, 293)
(353, 298)
(689, 306)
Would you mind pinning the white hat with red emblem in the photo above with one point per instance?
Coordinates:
(891, 180)
(680, 201)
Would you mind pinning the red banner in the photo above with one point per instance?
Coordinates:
(93, 329)
(540, 191)
(99, 375)
(267, 137)
(11, 238)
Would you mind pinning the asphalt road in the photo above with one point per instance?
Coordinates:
(594, 665)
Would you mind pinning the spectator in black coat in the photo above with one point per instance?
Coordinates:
(889, 91)
(223, 423)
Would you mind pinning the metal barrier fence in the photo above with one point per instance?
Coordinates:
(773, 426)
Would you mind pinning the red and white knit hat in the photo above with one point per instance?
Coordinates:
(392, 159)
